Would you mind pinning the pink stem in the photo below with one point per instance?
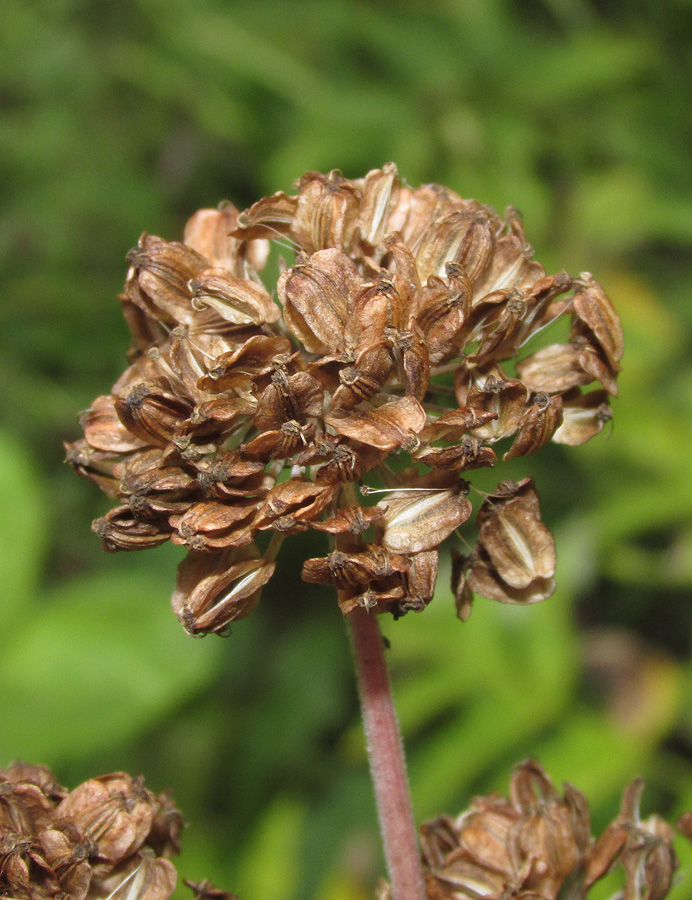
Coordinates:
(386, 755)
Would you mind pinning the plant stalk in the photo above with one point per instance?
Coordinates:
(386, 756)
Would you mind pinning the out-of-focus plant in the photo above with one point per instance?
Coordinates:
(114, 116)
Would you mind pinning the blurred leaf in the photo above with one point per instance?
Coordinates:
(22, 526)
(272, 864)
(95, 665)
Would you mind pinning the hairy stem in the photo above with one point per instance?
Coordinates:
(386, 755)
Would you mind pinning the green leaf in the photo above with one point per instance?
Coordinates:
(22, 525)
(96, 666)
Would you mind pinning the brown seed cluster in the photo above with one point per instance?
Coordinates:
(109, 837)
(537, 845)
(393, 354)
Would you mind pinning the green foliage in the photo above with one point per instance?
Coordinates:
(120, 117)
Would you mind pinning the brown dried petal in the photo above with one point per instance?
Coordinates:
(463, 595)
(208, 232)
(463, 236)
(454, 424)
(347, 570)
(215, 589)
(157, 491)
(236, 300)
(469, 453)
(421, 519)
(205, 890)
(142, 877)
(419, 581)
(598, 369)
(442, 311)
(95, 465)
(67, 858)
(281, 443)
(511, 267)
(506, 397)
(484, 579)
(374, 308)
(215, 418)
(393, 425)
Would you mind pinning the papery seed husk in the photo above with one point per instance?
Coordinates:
(253, 357)
(394, 424)
(538, 425)
(163, 270)
(215, 589)
(421, 520)
(282, 443)
(583, 416)
(214, 526)
(504, 397)
(326, 211)
(380, 192)
(375, 308)
(115, 811)
(314, 296)
(297, 499)
(554, 369)
(152, 413)
(235, 299)
(595, 310)
(350, 520)
(103, 429)
(120, 529)
(208, 232)
(520, 547)
(267, 218)
(289, 398)
(469, 453)
(420, 580)
(484, 579)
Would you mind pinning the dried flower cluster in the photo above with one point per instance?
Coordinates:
(393, 359)
(109, 837)
(537, 845)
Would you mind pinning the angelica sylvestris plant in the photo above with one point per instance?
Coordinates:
(395, 355)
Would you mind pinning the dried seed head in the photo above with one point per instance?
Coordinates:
(252, 407)
(536, 844)
(108, 837)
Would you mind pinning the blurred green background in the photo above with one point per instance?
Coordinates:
(119, 117)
